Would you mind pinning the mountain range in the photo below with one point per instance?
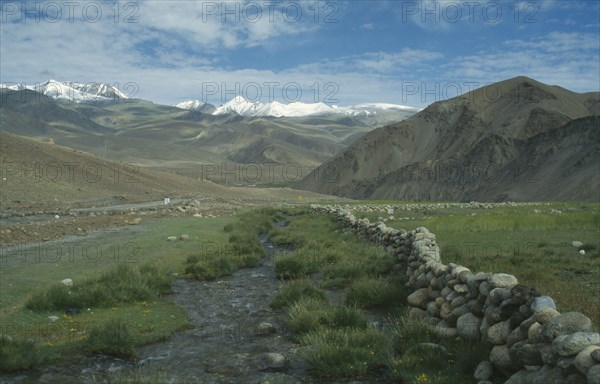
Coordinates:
(530, 141)
(239, 105)
(70, 91)
(181, 140)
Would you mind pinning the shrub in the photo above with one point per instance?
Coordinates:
(122, 284)
(19, 354)
(306, 315)
(376, 292)
(114, 338)
(295, 290)
(344, 352)
(290, 267)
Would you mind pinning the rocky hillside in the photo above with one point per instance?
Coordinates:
(517, 139)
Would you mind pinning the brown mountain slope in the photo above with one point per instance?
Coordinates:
(439, 153)
(39, 174)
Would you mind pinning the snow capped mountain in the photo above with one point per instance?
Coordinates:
(72, 91)
(190, 104)
(245, 107)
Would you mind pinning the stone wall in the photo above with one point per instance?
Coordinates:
(528, 339)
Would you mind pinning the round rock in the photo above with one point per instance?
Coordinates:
(467, 326)
(565, 324)
(543, 302)
(503, 280)
(484, 371)
(569, 345)
(584, 361)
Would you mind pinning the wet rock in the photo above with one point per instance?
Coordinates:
(270, 361)
(265, 329)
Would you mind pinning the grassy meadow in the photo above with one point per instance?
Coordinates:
(120, 282)
(533, 243)
(343, 298)
(336, 290)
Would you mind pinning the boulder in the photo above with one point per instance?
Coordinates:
(467, 326)
(484, 371)
(543, 302)
(503, 280)
(418, 298)
(593, 374)
(569, 345)
(498, 333)
(584, 361)
(500, 358)
(565, 324)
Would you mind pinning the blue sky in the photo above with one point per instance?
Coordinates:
(340, 52)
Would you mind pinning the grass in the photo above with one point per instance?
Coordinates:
(344, 352)
(376, 292)
(336, 338)
(320, 246)
(114, 338)
(243, 249)
(120, 275)
(419, 355)
(534, 246)
(295, 290)
(21, 354)
(123, 284)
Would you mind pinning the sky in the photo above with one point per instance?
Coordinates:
(337, 52)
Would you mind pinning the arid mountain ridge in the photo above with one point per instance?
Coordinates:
(517, 139)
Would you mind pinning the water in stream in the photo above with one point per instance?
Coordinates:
(236, 338)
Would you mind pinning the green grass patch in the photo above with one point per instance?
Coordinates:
(344, 352)
(117, 275)
(371, 292)
(242, 250)
(114, 338)
(123, 284)
(21, 354)
(295, 290)
(531, 242)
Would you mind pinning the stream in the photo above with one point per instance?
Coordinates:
(236, 338)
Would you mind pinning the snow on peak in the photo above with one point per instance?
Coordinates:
(245, 107)
(190, 104)
(72, 91)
